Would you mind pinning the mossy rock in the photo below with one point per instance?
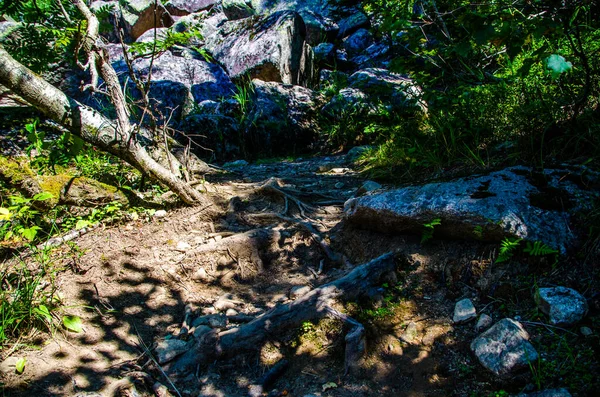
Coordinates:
(81, 191)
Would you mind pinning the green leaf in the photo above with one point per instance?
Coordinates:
(29, 233)
(43, 311)
(558, 65)
(43, 196)
(81, 224)
(20, 365)
(5, 214)
(72, 323)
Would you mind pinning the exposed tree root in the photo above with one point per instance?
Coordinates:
(239, 253)
(314, 305)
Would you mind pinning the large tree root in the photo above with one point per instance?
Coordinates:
(314, 305)
(237, 254)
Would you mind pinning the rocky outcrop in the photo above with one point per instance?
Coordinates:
(186, 7)
(504, 347)
(282, 118)
(269, 48)
(515, 202)
(384, 85)
(139, 16)
(237, 9)
(564, 306)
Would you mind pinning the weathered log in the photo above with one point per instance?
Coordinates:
(312, 306)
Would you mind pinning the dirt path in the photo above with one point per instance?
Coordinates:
(133, 282)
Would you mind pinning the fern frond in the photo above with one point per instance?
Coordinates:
(539, 249)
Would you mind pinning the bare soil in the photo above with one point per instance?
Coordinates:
(133, 281)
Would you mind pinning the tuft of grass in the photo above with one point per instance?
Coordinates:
(28, 300)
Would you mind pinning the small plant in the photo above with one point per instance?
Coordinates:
(429, 228)
(21, 221)
(539, 249)
(508, 246)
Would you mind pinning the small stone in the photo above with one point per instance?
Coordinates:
(299, 290)
(368, 186)
(326, 167)
(410, 334)
(182, 246)
(339, 185)
(340, 170)
(464, 311)
(200, 275)
(504, 347)
(564, 306)
(209, 310)
(231, 312)
(160, 214)
(201, 330)
(166, 350)
(586, 331)
(483, 323)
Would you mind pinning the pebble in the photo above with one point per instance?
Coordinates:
(231, 312)
(339, 185)
(182, 246)
(586, 331)
(483, 323)
(410, 334)
(160, 214)
(464, 311)
(200, 275)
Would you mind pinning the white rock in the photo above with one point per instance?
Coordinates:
(182, 246)
(200, 275)
(504, 347)
(231, 312)
(564, 306)
(464, 311)
(160, 214)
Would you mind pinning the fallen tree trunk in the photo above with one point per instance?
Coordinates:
(312, 306)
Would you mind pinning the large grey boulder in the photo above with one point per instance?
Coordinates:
(325, 19)
(237, 9)
(186, 7)
(504, 347)
(282, 119)
(269, 48)
(564, 306)
(139, 16)
(385, 85)
(358, 41)
(514, 202)
(180, 81)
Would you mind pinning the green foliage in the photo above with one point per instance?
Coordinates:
(72, 323)
(25, 304)
(51, 152)
(20, 220)
(538, 249)
(20, 365)
(44, 37)
(508, 247)
(492, 72)
(427, 233)
(165, 41)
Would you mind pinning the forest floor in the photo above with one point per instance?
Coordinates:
(130, 283)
